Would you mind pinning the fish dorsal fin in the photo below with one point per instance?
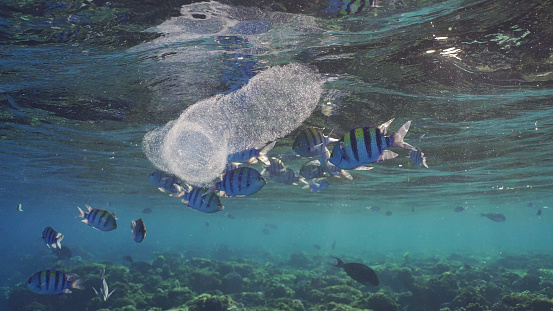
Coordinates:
(384, 126)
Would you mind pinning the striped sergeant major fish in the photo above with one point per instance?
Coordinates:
(418, 158)
(251, 155)
(289, 177)
(311, 142)
(348, 7)
(240, 182)
(363, 145)
(138, 230)
(317, 184)
(196, 198)
(53, 282)
(275, 168)
(164, 182)
(98, 218)
(52, 238)
(312, 169)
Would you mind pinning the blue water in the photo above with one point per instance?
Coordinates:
(80, 86)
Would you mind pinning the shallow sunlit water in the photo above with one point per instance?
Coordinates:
(81, 85)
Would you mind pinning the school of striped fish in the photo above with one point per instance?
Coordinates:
(324, 156)
(353, 151)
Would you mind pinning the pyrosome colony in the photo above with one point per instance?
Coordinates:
(273, 103)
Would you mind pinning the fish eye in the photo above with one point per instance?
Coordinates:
(298, 144)
(332, 154)
(218, 203)
(259, 178)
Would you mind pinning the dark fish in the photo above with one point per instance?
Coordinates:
(459, 209)
(389, 213)
(317, 246)
(495, 217)
(207, 223)
(333, 245)
(539, 212)
(62, 253)
(147, 210)
(271, 226)
(128, 258)
(530, 204)
(230, 216)
(359, 272)
(266, 231)
(138, 230)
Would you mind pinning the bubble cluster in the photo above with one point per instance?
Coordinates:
(274, 102)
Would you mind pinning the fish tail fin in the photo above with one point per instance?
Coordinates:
(424, 162)
(82, 213)
(400, 134)
(58, 240)
(263, 152)
(78, 283)
(339, 262)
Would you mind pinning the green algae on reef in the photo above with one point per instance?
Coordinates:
(173, 282)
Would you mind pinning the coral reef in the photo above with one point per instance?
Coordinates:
(304, 283)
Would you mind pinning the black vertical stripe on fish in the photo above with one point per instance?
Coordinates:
(63, 280)
(353, 141)
(47, 279)
(227, 181)
(40, 279)
(194, 194)
(389, 141)
(248, 177)
(378, 138)
(207, 204)
(313, 142)
(240, 180)
(103, 213)
(92, 215)
(368, 142)
(57, 280)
